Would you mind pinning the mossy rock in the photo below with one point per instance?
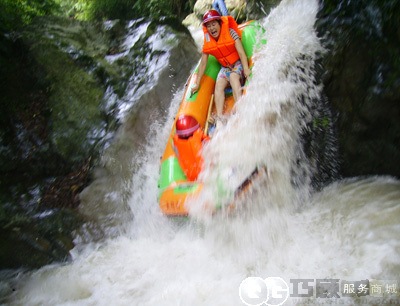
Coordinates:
(57, 80)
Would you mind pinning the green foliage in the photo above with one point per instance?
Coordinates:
(129, 9)
(77, 9)
(16, 13)
(108, 9)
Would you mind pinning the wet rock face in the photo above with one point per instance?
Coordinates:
(66, 88)
(362, 81)
(166, 69)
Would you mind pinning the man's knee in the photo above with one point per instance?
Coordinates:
(235, 81)
(221, 85)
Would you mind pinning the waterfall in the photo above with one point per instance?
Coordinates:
(347, 231)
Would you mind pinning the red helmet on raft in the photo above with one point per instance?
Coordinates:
(210, 15)
(186, 125)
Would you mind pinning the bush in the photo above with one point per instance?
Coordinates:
(128, 9)
(16, 13)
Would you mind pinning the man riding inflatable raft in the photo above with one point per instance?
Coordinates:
(226, 58)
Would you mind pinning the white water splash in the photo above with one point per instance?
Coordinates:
(347, 231)
(266, 126)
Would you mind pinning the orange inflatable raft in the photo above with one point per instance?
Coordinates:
(174, 187)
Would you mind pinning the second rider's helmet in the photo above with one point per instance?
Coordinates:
(186, 125)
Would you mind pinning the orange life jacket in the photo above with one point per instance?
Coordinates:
(189, 153)
(224, 49)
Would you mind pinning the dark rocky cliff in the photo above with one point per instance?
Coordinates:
(361, 75)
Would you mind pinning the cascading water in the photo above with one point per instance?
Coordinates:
(347, 231)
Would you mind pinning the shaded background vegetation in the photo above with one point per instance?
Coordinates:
(16, 13)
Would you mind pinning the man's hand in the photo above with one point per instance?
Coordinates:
(195, 88)
(247, 72)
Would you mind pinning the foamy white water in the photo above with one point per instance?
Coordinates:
(348, 231)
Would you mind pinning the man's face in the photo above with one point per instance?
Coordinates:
(214, 28)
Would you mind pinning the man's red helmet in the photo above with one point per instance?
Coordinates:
(210, 15)
(186, 125)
